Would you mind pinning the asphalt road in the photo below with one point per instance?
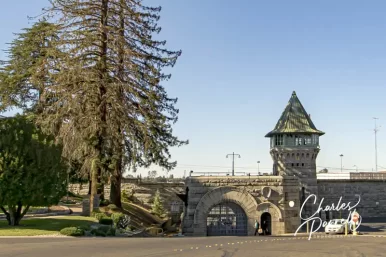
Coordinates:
(189, 247)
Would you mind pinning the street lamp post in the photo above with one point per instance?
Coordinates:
(258, 167)
(233, 161)
(341, 162)
(356, 168)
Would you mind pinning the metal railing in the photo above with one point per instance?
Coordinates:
(224, 174)
(352, 176)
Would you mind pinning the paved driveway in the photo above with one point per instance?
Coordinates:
(189, 247)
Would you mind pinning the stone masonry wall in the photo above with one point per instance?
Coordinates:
(371, 193)
(283, 190)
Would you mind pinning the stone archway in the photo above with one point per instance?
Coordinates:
(224, 195)
(271, 214)
(266, 223)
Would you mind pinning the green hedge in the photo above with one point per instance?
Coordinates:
(103, 231)
(106, 221)
(72, 231)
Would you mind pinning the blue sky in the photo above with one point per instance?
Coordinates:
(242, 60)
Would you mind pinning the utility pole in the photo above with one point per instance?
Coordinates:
(341, 162)
(376, 150)
(233, 161)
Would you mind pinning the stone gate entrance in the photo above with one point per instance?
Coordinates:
(226, 206)
(227, 219)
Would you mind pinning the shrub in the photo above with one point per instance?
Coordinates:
(97, 232)
(100, 216)
(106, 221)
(112, 207)
(125, 196)
(116, 217)
(111, 232)
(104, 229)
(157, 207)
(72, 231)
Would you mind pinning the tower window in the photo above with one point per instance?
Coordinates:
(279, 140)
(297, 164)
(302, 164)
(315, 139)
(292, 164)
(298, 140)
(307, 141)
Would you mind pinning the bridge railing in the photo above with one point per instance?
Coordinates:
(218, 174)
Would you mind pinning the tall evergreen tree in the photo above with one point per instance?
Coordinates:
(109, 86)
(28, 72)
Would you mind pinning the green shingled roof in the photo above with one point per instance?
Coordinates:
(294, 120)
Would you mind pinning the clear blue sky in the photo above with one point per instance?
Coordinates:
(241, 61)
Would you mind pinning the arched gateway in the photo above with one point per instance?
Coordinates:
(221, 206)
(225, 211)
(227, 219)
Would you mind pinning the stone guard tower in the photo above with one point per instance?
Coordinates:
(294, 148)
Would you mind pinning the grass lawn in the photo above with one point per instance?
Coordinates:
(44, 226)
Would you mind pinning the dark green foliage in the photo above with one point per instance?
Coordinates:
(104, 231)
(104, 202)
(100, 216)
(106, 221)
(32, 172)
(98, 232)
(111, 232)
(120, 220)
(72, 231)
(116, 216)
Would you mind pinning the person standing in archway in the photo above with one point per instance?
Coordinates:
(264, 227)
(257, 225)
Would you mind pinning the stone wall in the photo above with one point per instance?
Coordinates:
(371, 192)
(300, 162)
(255, 194)
(144, 193)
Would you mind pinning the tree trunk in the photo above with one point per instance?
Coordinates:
(89, 184)
(115, 185)
(94, 183)
(116, 177)
(15, 215)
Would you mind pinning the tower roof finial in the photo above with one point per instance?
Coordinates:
(293, 93)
